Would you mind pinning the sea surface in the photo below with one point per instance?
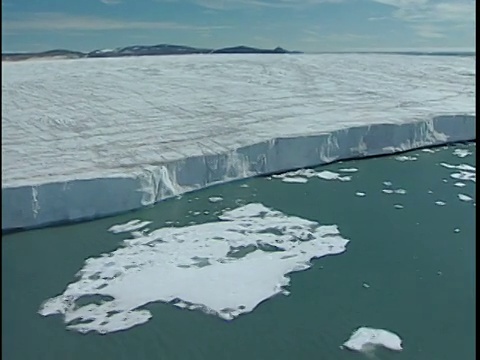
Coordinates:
(409, 268)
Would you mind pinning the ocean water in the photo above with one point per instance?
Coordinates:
(409, 268)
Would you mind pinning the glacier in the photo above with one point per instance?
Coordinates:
(88, 138)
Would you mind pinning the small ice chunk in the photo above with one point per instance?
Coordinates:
(396, 191)
(365, 285)
(130, 226)
(459, 184)
(428, 151)
(398, 206)
(244, 186)
(405, 158)
(330, 175)
(363, 339)
(464, 175)
(464, 197)
(464, 167)
(387, 183)
(456, 230)
(461, 153)
(359, 193)
(215, 199)
(440, 203)
(295, 180)
(348, 170)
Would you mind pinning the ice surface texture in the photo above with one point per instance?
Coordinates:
(89, 138)
(224, 268)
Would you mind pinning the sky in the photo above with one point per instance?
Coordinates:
(304, 25)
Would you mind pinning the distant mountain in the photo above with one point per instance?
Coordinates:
(250, 50)
(141, 50)
(55, 54)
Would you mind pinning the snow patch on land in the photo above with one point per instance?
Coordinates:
(224, 268)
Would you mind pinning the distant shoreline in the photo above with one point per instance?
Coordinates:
(167, 49)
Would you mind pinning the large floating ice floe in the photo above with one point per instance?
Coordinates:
(88, 138)
(225, 268)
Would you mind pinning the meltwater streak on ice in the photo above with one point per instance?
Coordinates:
(225, 268)
(108, 145)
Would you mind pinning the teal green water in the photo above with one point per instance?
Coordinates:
(420, 271)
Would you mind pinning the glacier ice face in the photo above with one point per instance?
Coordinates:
(225, 268)
(88, 142)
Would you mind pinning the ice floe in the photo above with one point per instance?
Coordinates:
(461, 153)
(215, 199)
(330, 175)
(405, 158)
(464, 197)
(225, 268)
(129, 226)
(295, 180)
(302, 175)
(366, 339)
(395, 191)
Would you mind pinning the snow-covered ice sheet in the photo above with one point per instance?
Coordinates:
(225, 268)
(365, 339)
(94, 137)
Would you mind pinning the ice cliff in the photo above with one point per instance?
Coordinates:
(89, 138)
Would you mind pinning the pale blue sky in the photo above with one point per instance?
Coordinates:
(307, 25)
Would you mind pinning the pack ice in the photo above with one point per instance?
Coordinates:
(93, 137)
(225, 268)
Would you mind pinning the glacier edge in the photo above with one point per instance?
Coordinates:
(34, 206)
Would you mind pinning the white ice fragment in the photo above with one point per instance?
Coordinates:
(456, 230)
(464, 167)
(465, 176)
(459, 184)
(348, 170)
(215, 199)
(306, 173)
(330, 175)
(244, 186)
(387, 183)
(440, 203)
(366, 339)
(398, 206)
(365, 285)
(295, 180)
(405, 158)
(132, 225)
(464, 197)
(395, 191)
(428, 150)
(359, 193)
(461, 153)
(224, 268)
